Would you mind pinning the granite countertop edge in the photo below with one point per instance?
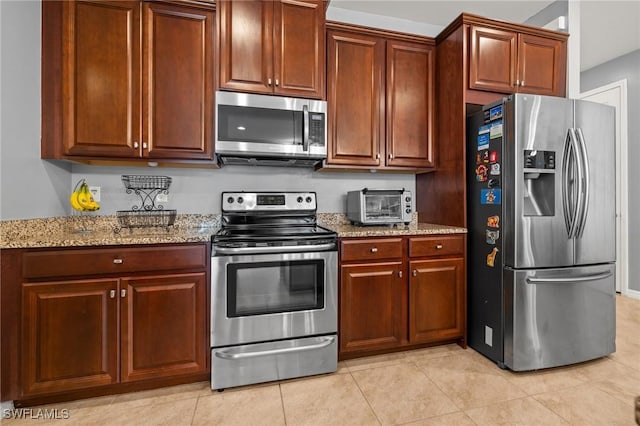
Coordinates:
(66, 232)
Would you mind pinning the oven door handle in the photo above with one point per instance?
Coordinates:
(274, 249)
(234, 355)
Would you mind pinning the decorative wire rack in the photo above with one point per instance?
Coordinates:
(149, 213)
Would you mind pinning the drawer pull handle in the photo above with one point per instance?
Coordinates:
(112, 294)
(118, 261)
(438, 246)
(415, 272)
(374, 249)
(123, 292)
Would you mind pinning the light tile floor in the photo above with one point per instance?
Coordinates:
(444, 385)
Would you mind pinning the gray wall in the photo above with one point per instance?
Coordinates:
(31, 187)
(627, 66)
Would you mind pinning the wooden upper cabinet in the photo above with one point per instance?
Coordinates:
(100, 78)
(542, 64)
(178, 81)
(273, 47)
(380, 99)
(493, 59)
(135, 80)
(355, 99)
(509, 61)
(409, 97)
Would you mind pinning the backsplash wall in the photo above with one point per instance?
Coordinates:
(198, 190)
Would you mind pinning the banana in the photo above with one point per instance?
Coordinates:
(73, 199)
(81, 198)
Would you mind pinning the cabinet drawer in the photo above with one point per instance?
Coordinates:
(371, 249)
(70, 262)
(436, 246)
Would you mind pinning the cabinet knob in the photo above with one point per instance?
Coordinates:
(400, 274)
(269, 82)
(374, 249)
(118, 261)
(112, 294)
(123, 292)
(522, 83)
(377, 156)
(438, 246)
(390, 156)
(277, 82)
(415, 273)
(136, 144)
(517, 83)
(144, 145)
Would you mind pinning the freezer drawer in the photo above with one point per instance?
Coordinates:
(264, 362)
(557, 317)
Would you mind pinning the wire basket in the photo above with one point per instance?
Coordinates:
(146, 218)
(146, 182)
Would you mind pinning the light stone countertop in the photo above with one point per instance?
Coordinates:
(83, 231)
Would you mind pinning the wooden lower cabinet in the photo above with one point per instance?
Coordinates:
(401, 292)
(84, 334)
(371, 310)
(70, 336)
(436, 300)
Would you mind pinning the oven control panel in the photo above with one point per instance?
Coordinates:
(268, 201)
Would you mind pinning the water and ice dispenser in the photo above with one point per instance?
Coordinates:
(539, 183)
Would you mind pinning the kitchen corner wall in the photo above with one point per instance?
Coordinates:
(32, 188)
(29, 187)
(626, 66)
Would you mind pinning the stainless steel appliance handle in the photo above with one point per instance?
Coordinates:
(274, 249)
(566, 192)
(305, 123)
(578, 163)
(585, 183)
(230, 354)
(581, 278)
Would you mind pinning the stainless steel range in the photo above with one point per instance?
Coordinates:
(274, 290)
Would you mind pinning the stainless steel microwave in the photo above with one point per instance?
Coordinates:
(379, 206)
(270, 130)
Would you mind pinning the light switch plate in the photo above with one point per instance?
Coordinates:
(95, 191)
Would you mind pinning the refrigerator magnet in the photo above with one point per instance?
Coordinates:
(493, 221)
(496, 129)
(491, 257)
(494, 183)
(492, 236)
(495, 169)
(490, 196)
(495, 112)
(493, 156)
(485, 157)
(483, 141)
(481, 173)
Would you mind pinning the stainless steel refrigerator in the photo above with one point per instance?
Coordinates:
(541, 223)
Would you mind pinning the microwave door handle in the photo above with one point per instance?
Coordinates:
(305, 123)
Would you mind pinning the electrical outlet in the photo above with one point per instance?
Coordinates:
(162, 197)
(95, 191)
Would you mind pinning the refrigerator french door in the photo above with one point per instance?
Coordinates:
(541, 219)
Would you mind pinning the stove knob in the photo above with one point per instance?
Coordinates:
(407, 199)
(240, 200)
(299, 199)
(408, 210)
(309, 199)
(230, 200)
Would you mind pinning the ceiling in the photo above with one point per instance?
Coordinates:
(601, 21)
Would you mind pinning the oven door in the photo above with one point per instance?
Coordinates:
(264, 297)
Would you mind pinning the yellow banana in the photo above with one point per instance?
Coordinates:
(73, 199)
(85, 198)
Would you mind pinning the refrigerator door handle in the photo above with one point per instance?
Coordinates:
(584, 180)
(571, 160)
(581, 278)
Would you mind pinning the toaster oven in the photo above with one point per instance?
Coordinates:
(379, 206)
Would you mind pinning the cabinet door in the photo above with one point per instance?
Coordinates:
(493, 60)
(299, 48)
(178, 81)
(541, 65)
(163, 326)
(70, 335)
(436, 300)
(372, 306)
(355, 98)
(246, 43)
(101, 78)
(409, 97)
